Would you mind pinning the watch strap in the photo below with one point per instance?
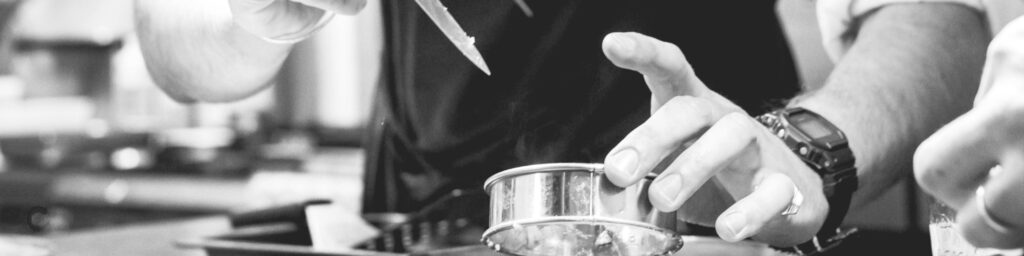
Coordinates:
(820, 243)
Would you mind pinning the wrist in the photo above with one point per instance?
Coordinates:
(826, 107)
(823, 148)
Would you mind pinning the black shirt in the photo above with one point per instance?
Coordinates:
(441, 124)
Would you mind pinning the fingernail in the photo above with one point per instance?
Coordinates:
(624, 162)
(623, 44)
(735, 224)
(668, 187)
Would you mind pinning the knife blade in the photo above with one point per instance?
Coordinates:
(451, 29)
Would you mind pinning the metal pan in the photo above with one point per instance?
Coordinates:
(573, 209)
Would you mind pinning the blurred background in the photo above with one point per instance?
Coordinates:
(89, 143)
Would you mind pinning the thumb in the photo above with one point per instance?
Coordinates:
(1005, 61)
(347, 7)
(956, 159)
(663, 65)
(274, 18)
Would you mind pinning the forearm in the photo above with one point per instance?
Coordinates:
(912, 68)
(194, 51)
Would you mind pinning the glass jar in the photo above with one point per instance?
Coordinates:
(946, 239)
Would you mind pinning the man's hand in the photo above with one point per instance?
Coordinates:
(288, 18)
(755, 177)
(984, 148)
(222, 51)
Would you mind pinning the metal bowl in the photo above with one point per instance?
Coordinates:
(573, 209)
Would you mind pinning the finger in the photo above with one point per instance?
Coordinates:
(731, 137)
(956, 159)
(682, 119)
(348, 7)
(705, 205)
(252, 5)
(1004, 202)
(748, 216)
(274, 18)
(663, 65)
(1005, 59)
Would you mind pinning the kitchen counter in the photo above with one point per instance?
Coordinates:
(148, 191)
(160, 239)
(328, 173)
(154, 239)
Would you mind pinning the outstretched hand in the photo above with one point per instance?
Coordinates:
(732, 173)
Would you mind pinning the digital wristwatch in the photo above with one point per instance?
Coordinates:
(823, 147)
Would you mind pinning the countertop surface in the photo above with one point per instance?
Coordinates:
(154, 239)
(158, 239)
(331, 174)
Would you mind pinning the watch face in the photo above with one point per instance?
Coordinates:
(811, 126)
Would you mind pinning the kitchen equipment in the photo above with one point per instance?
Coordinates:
(573, 209)
(268, 240)
(454, 220)
(444, 20)
(205, 150)
(447, 226)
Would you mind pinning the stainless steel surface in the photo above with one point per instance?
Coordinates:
(572, 209)
(444, 20)
(713, 246)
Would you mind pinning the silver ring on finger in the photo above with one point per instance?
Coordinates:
(794, 204)
(993, 223)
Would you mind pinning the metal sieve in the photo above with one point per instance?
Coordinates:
(573, 209)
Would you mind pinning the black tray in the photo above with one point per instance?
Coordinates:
(451, 225)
